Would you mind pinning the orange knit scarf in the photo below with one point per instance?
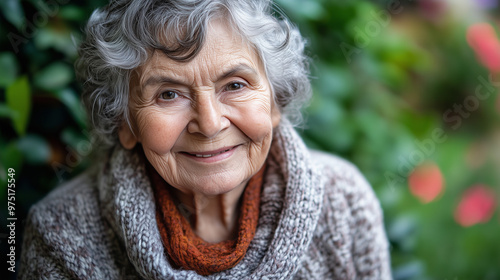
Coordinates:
(185, 248)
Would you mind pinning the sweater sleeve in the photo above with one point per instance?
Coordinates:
(370, 249)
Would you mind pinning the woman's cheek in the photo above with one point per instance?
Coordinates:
(255, 119)
(159, 132)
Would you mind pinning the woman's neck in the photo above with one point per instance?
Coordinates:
(213, 218)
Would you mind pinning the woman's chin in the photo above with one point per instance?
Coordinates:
(217, 187)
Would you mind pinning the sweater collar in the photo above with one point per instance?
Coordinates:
(290, 207)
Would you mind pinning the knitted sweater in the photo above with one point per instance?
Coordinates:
(319, 219)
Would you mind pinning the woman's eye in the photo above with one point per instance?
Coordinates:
(234, 86)
(168, 95)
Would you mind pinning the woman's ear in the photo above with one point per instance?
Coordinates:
(127, 137)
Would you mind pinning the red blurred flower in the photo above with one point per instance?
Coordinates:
(484, 41)
(426, 182)
(477, 206)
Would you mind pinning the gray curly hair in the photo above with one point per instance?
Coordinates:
(121, 36)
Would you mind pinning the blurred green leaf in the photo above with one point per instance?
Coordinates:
(57, 38)
(334, 82)
(78, 142)
(55, 76)
(8, 64)
(419, 124)
(402, 227)
(69, 98)
(374, 128)
(72, 12)
(412, 270)
(10, 156)
(5, 111)
(3, 177)
(304, 9)
(13, 12)
(72, 137)
(18, 97)
(35, 149)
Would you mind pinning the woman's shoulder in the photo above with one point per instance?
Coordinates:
(335, 167)
(343, 179)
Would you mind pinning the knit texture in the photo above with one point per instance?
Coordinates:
(319, 219)
(188, 251)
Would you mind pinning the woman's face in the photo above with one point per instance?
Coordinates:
(205, 125)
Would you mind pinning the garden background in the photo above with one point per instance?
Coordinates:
(407, 90)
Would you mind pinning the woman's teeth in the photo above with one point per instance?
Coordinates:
(212, 155)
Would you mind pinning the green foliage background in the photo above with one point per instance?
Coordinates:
(383, 79)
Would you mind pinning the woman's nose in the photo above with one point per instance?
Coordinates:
(208, 119)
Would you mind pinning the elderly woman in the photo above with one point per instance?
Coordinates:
(201, 174)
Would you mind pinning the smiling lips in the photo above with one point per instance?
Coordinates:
(210, 154)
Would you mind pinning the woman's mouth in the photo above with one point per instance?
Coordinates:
(211, 156)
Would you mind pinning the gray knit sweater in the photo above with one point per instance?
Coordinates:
(319, 219)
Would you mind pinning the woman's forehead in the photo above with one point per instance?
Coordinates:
(154, 78)
(224, 51)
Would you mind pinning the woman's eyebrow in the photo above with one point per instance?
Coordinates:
(161, 79)
(240, 68)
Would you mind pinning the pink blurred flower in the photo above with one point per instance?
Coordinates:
(484, 41)
(477, 206)
(426, 182)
